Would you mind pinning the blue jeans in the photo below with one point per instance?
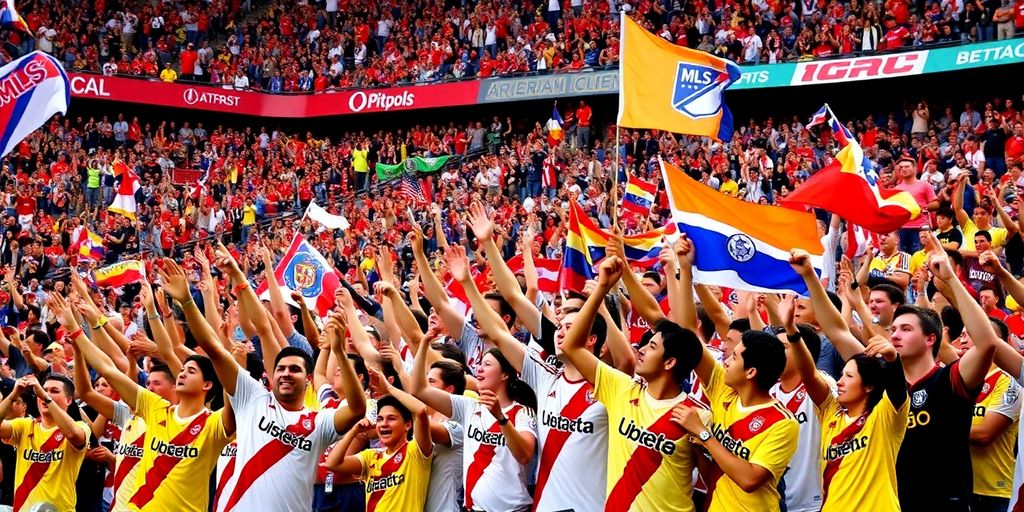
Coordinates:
(910, 240)
(534, 188)
(92, 196)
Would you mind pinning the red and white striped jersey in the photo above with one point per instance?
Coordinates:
(278, 451)
(573, 430)
(494, 480)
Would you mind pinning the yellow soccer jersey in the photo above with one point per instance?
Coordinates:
(397, 483)
(650, 464)
(128, 451)
(765, 435)
(993, 463)
(179, 453)
(858, 456)
(47, 465)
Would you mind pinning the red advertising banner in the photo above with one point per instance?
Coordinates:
(230, 100)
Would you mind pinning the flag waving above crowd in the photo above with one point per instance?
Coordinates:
(32, 89)
(848, 186)
(668, 87)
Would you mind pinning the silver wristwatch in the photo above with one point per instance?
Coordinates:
(704, 436)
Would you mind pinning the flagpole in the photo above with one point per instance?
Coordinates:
(615, 180)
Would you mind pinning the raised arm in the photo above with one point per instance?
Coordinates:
(816, 386)
(163, 341)
(506, 282)
(491, 324)
(642, 299)
(436, 399)
(687, 255)
(345, 417)
(433, 288)
(277, 304)
(574, 345)
(959, 189)
(715, 310)
(830, 320)
(974, 364)
(125, 387)
(85, 391)
(176, 285)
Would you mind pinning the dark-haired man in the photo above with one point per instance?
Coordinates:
(50, 450)
(942, 398)
(573, 427)
(650, 465)
(280, 439)
(752, 436)
(183, 441)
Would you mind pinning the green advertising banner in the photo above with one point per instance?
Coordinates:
(387, 172)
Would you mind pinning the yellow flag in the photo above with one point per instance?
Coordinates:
(667, 87)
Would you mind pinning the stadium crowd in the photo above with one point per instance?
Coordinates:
(292, 47)
(128, 381)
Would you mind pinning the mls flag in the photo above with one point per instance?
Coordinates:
(305, 270)
(668, 87)
(741, 245)
(32, 89)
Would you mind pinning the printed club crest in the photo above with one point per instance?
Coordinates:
(305, 275)
(919, 398)
(398, 458)
(697, 92)
(590, 397)
(307, 424)
(756, 423)
(195, 430)
(59, 436)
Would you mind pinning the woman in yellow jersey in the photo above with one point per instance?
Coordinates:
(863, 423)
(396, 474)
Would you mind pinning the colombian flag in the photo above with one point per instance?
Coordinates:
(741, 245)
(639, 196)
(585, 246)
(91, 247)
(849, 188)
(668, 87)
(120, 274)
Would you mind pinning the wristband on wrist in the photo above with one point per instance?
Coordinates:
(240, 286)
(101, 322)
(77, 332)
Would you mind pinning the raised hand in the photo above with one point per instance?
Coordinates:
(610, 271)
(416, 239)
(65, 315)
(938, 263)
(879, 346)
(385, 266)
(800, 260)
(989, 261)
(175, 282)
(686, 253)
(490, 402)
(458, 264)
(378, 383)
(146, 295)
(479, 222)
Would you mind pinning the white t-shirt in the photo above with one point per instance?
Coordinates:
(496, 481)
(277, 451)
(445, 492)
(573, 432)
(803, 476)
(332, 6)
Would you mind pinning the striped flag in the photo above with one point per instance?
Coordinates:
(10, 19)
(639, 196)
(554, 126)
(548, 271)
(410, 188)
(859, 240)
(120, 274)
(35, 87)
(585, 246)
(741, 245)
(91, 246)
(820, 117)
